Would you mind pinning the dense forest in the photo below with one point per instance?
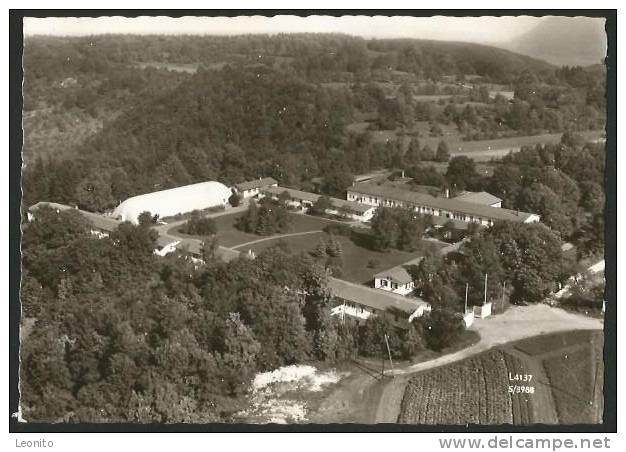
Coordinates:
(564, 183)
(111, 332)
(112, 116)
(114, 333)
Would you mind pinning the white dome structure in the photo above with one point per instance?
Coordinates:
(167, 203)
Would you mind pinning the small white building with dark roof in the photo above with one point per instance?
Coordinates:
(361, 302)
(397, 279)
(253, 187)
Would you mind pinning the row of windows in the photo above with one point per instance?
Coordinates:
(385, 283)
(359, 308)
(394, 285)
(423, 209)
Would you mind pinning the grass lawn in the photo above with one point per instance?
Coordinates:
(541, 344)
(355, 256)
(574, 367)
(229, 236)
(573, 376)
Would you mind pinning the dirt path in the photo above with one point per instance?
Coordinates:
(366, 399)
(517, 323)
(275, 237)
(391, 398)
(354, 400)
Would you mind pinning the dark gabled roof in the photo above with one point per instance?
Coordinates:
(350, 205)
(399, 273)
(453, 205)
(300, 195)
(52, 205)
(374, 298)
(99, 221)
(194, 246)
(481, 197)
(256, 183)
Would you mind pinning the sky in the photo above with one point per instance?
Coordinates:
(472, 29)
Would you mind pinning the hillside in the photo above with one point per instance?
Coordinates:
(467, 58)
(572, 41)
(173, 110)
(75, 86)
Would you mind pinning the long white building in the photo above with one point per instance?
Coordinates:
(167, 203)
(454, 209)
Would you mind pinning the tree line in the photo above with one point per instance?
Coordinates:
(123, 335)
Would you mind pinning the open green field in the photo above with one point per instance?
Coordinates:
(565, 372)
(488, 149)
(190, 68)
(360, 264)
(574, 367)
(482, 150)
(431, 97)
(482, 168)
(229, 236)
(539, 345)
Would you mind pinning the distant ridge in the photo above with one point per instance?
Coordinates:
(571, 41)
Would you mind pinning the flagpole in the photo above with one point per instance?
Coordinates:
(466, 289)
(485, 300)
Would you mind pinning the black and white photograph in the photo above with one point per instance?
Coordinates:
(293, 220)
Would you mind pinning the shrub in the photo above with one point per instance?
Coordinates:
(199, 225)
(442, 328)
(234, 200)
(268, 218)
(338, 229)
(147, 219)
(322, 204)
